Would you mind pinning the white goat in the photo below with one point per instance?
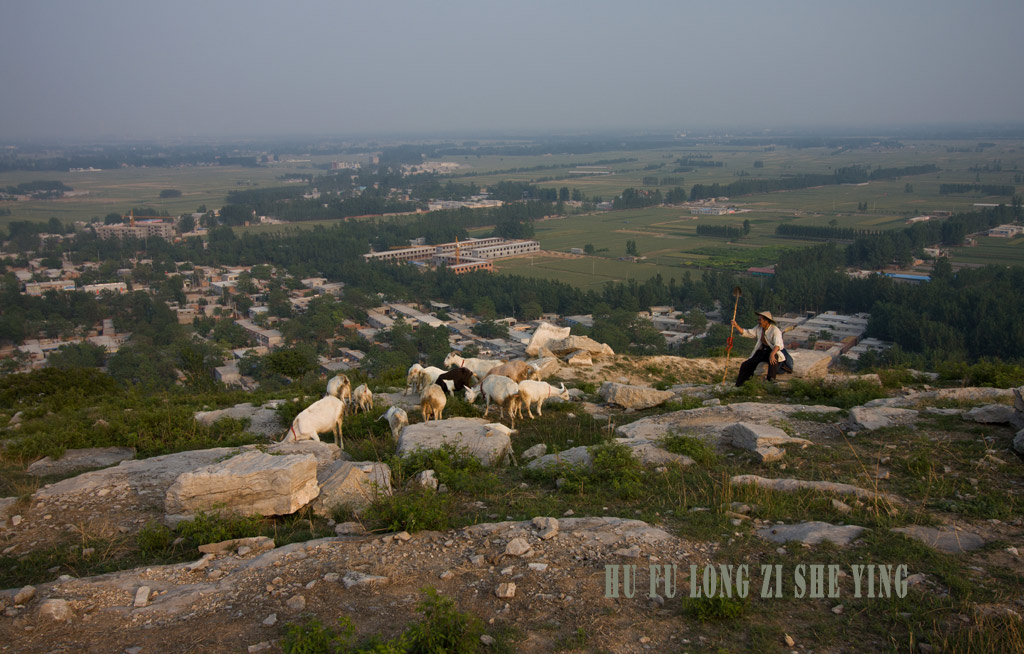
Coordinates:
(535, 392)
(412, 378)
(397, 418)
(505, 394)
(362, 398)
(478, 367)
(340, 387)
(425, 377)
(432, 401)
(516, 371)
(326, 414)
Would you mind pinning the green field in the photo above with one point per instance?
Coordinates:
(666, 236)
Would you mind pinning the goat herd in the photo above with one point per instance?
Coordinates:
(511, 385)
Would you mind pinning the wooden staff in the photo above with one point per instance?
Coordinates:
(737, 292)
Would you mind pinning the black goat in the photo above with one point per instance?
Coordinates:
(459, 378)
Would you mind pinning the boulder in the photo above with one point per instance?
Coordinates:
(546, 366)
(806, 364)
(263, 420)
(544, 334)
(811, 533)
(991, 414)
(425, 480)
(7, 505)
(879, 417)
(710, 421)
(81, 459)
(761, 439)
(644, 450)
(57, 610)
(633, 397)
(571, 344)
(1018, 442)
(253, 483)
(538, 450)
(325, 453)
(945, 539)
(489, 445)
(580, 358)
(351, 484)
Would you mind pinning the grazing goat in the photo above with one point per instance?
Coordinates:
(535, 392)
(362, 398)
(412, 378)
(505, 393)
(458, 378)
(397, 420)
(340, 387)
(516, 371)
(480, 367)
(432, 401)
(326, 414)
(425, 377)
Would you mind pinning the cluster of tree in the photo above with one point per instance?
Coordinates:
(38, 189)
(725, 231)
(633, 198)
(826, 232)
(170, 193)
(983, 189)
(698, 162)
(896, 173)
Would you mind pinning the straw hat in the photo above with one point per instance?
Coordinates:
(767, 315)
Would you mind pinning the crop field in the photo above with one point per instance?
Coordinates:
(116, 191)
(989, 250)
(587, 273)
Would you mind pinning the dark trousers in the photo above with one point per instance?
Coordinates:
(747, 367)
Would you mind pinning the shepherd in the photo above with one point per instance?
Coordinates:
(768, 347)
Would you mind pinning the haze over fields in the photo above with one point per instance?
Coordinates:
(117, 69)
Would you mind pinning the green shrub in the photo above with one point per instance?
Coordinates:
(212, 528)
(412, 511)
(715, 608)
(692, 447)
(454, 467)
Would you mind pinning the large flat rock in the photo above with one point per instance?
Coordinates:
(633, 397)
(811, 533)
(352, 484)
(641, 449)
(81, 459)
(794, 485)
(762, 440)
(945, 539)
(544, 334)
(252, 483)
(862, 417)
(807, 364)
(488, 444)
(263, 420)
(157, 472)
(966, 395)
(710, 421)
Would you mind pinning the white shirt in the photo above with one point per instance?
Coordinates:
(773, 335)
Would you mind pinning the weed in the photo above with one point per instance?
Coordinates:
(212, 528)
(690, 446)
(455, 467)
(412, 511)
(576, 640)
(715, 608)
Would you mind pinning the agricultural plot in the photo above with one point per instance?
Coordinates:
(998, 251)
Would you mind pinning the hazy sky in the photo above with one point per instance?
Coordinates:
(98, 69)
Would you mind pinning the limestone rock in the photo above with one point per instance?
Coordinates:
(57, 610)
(506, 590)
(325, 453)
(945, 539)
(806, 364)
(879, 417)
(991, 414)
(258, 543)
(263, 420)
(548, 527)
(1018, 442)
(538, 450)
(811, 533)
(7, 505)
(425, 479)
(647, 452)
(471, 433)
(81, 459)
(580, 358)
(355, 578)
(711, 420)
(633, 397)
(517, 547)
(571, 344)
(25, 595)
(252, 483)
(791, 485)
(544, 334)
(761, 439)
(352, 484)
(546, 366)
